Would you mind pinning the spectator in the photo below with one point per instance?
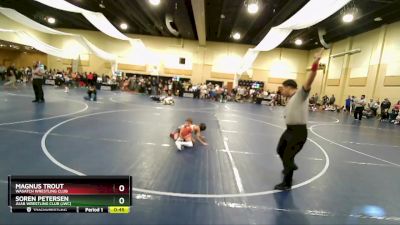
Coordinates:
(385, 106)
(28, 72)
(373, 106)
(154, 85)
(395, 112)
(325, 100)
(3, 70)
(359, 107)
(11, 76)
(348, 104)
(368, 113)
(92, 93)
(316, 98)
(332, 100)
(37, 82)
(90, 79)
(397, 121)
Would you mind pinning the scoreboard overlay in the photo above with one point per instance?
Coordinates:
(70, 194)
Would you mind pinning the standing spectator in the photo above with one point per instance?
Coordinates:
(180, 89)
(352, 106)
(197, 91)
(203, 91)
(348, 104)
(385, 106)
(359, 107)
(154, 85)
(28, 72)
(37, 82)
(11, 76)
(90, 79)
(149, 86)
(67, 83)
(19, 75)
(3, 70)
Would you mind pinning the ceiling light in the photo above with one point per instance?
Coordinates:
(349, 12)
(347, 18)
(236, 36)
(252, 8)
(298, 42)
(123, 26)
(377, 19)
(51, 20)
(154, 2)
(101, 5)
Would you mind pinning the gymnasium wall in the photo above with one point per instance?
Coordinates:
(375, 71)
(21, 59)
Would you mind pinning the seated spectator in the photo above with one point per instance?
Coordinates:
(316, 99)
(385, 106)
(395, 112)
(397, 121)
(397, 106)
(312, 104)
(332, 100)
(368, 113)
(373, 106)
(325, 100)
(331, 108)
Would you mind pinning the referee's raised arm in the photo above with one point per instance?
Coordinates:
(313, 73)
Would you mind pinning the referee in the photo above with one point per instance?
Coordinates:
(295, 135)
(37, 75)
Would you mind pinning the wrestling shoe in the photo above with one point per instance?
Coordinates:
(178, 145)
(283, 187)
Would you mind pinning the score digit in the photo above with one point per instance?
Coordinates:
(121, 200)
(121, 188)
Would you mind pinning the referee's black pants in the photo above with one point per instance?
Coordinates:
(290, 143)
(37, 88)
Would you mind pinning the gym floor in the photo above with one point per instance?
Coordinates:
(349, 171)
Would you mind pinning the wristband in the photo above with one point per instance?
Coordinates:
(314, 67)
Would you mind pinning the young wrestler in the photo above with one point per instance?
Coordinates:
(188, 133)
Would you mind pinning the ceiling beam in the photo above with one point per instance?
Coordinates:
(200, 20)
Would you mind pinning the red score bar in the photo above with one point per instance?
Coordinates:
(90, 189)
(69, 186)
